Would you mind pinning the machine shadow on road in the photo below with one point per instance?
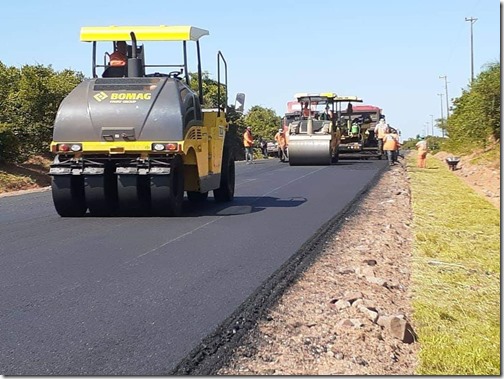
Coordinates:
(241, 205)
(353, 161)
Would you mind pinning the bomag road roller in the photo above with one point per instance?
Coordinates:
(314, 139)
(133, 141)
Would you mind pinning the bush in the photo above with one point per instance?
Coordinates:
(9, 144)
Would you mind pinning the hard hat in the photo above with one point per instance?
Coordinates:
(280, 130)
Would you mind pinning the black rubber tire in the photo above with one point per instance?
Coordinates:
(101, 192)
(197, 197)
(133, 194)
(68, 195)
(226, 190)
(167, 191)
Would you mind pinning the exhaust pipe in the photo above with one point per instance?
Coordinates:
(134, 63)
(309, 126)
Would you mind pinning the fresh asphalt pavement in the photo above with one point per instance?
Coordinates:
(134, 295)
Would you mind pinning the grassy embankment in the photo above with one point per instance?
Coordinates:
(30, 174)
(456, 274)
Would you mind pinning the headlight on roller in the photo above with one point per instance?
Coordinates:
(158, 147)
(168, 147)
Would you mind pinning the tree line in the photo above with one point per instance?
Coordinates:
(31, 94)
(30, 97)
(29, 100)
(474, 122)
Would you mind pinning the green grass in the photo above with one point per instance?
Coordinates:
(456, 274)
(490, 157)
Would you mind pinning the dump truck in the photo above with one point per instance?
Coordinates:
(135, 139)
(313, 139)
(358, 139)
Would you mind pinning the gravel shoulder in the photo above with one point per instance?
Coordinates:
(350, 312)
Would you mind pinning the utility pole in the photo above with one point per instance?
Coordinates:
(446, 92)
(472, 20)
(442, 121)
(432, 123)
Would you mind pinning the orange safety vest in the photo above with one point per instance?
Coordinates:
(248, 140)
(117, 59)
(396, 136)
(389, 142)
(280, 138)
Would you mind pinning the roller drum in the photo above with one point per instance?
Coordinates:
(309, 150)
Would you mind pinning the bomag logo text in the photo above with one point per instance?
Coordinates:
(130, 96)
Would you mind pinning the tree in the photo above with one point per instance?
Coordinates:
(30, 99)
(475, 121)
(210, 89)
(263, 121)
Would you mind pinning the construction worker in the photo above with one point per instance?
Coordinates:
(422, 153)
(248, 144)
(396, 152)
(306, 110)
(263, 144)
(379, 130)
(390, 145)
(282, 145)
(326, 115)
(120, 56)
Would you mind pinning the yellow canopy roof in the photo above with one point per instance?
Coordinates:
(318, 97)
(142, 33)
(348, 98)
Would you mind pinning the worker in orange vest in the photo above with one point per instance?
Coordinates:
(306, 110)
(282, 144)
(390, 145)
(396, 155)
(248, 143)
(422, 153)
(119, 56)
(379, 130)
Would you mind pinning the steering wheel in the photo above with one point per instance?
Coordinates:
(175, 74)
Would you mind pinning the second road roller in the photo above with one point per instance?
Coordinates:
(315, 136)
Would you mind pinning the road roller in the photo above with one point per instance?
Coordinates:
(135, 138)
(314, 138)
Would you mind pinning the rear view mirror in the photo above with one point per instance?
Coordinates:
(240, 102)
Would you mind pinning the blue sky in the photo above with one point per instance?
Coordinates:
(390, 52)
